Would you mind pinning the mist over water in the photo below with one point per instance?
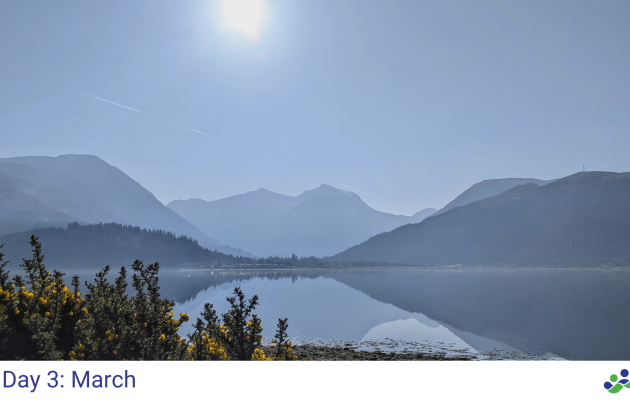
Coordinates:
(572, 313)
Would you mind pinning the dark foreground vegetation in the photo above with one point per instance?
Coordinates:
(43, 319)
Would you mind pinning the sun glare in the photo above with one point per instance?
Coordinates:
(244, 15)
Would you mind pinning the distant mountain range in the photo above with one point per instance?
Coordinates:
(37, 192)
(488, 188)
(583, 219)
(318, 222)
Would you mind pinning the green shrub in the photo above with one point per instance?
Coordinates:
(42, 319)
(284, 349)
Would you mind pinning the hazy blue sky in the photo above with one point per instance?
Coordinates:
(411, 101)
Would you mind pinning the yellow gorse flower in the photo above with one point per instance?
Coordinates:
(259, 355)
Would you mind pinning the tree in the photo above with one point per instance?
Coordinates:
(284, 348)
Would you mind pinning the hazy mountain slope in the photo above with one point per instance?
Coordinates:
(327, 224)
(89, 247)
(242, 220)
(421, 215)
(50, 191)
(583, 219)
(319, 222)
(321, 191)
(19, 210)
(488, 188)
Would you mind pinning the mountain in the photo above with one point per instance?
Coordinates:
(421, 215)
(236, 217)
(582, 219)
(488, 188)
(90, 247)
(319, 222)
(54, 191)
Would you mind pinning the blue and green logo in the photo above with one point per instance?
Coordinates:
(616, 384)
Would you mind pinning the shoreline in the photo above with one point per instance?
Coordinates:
(314, 352)
(398, 267)
(399, 350)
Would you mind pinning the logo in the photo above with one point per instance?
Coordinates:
(615, 385)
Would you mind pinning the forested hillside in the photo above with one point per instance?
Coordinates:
(94, 246)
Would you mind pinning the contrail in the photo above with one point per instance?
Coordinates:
(371, 195)
(133, 109)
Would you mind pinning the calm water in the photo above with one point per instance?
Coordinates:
(569, 313)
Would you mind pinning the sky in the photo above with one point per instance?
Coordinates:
(408, 101)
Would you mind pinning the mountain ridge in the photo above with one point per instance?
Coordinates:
(488, 188)
(317, 222)
(582, 219)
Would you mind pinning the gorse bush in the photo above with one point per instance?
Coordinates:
(42, 319)
(283, 349)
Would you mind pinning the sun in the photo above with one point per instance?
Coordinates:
(245, 16)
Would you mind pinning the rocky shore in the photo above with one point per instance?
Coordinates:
(399, 350)
(317, 352)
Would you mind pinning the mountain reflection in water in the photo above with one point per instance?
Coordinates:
(573, 313)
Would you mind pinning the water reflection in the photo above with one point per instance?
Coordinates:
(317, 308)
(410, 330)
(574, 313)
(426, 337)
